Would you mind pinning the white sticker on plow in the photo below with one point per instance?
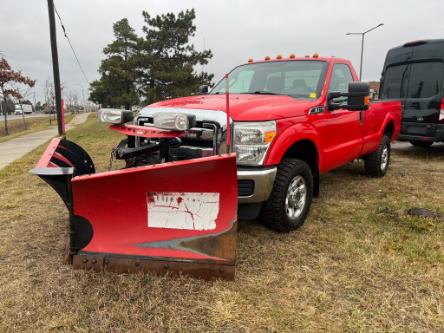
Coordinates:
(186, 210)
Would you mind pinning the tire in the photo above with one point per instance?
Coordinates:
(281, 212)
(424, 144)
(377, 163)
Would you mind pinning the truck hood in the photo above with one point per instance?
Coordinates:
(244, 107)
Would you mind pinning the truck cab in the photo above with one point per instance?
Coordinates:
(413, 73)
(292, 119)
(18, 111)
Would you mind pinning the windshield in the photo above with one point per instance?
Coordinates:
(297, 78)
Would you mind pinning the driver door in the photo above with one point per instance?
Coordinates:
(344, 127)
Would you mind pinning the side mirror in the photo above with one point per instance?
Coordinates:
(358, 98)
(204, 90)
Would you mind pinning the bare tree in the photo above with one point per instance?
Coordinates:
(72, 100)
(49, 97)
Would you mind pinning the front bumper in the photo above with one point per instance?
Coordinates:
(422, 132)
(255, 185)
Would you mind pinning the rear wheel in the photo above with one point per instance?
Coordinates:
(377, 163)
(290, 200)
(424, 144)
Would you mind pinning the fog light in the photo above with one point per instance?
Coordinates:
(173, 121)
(116, 116)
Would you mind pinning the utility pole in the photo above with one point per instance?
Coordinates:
(55, 67)
(362, 34)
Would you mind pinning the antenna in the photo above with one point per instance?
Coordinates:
(227, 111)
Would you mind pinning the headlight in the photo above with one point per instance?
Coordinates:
(116, 116)
(252, 140)
(173, 121)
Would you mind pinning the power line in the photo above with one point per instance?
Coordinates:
(70, 44)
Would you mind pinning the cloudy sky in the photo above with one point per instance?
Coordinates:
(234, 30)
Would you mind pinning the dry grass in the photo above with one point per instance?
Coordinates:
(359, 264)
(17, 128)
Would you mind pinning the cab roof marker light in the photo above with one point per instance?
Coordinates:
(250, 61)
(292, 56)
(267, 58)
(315, 55)
(279, 57)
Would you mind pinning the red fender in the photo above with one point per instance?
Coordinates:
(290, 135)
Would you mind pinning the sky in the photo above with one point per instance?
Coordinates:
(234, 30)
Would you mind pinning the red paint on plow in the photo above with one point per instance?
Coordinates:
(146, 132)
(116, 207)
(48, 154)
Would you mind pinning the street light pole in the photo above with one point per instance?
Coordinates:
(55, 68)
(362, 34)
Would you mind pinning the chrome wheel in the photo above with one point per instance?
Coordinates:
(296, 197)
(384, 158)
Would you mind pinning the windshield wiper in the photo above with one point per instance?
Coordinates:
(261, 92)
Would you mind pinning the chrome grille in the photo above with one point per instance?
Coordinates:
(207, 138)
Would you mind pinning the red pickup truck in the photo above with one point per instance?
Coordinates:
(291, 121)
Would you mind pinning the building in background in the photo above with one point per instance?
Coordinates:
(374, 89)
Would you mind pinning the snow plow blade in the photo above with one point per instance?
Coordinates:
(177, 217)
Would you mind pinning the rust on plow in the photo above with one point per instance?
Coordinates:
(123, 265)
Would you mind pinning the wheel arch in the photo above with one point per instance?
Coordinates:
(300, 141)
(307, 151)
(389, 129)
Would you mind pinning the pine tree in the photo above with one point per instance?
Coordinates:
(158, 66)
(167, 60)
(116, 86)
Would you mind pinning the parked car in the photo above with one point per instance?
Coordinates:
(414, 74)
(49, 110)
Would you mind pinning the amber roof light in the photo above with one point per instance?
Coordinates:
(292, 56)
(250, 61)
(267, 58)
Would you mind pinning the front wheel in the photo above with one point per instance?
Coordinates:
(377, 163)
(424, 144)
(290, 200)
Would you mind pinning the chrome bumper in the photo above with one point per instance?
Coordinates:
(263, 180)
